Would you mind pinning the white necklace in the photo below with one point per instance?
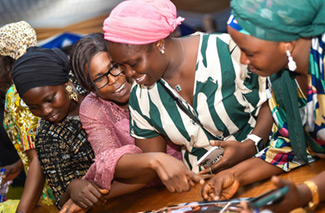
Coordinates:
(178, 87)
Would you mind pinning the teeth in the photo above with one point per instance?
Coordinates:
(53, 117)
(141, 78)
(120, 89)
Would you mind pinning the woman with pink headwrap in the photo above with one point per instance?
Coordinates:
(192, 91)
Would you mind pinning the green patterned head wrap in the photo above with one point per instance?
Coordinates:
(280, 20)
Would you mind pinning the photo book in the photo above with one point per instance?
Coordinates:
(203, 206)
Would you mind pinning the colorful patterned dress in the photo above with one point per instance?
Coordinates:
(63, 150)
(312, 112)
(20, 125)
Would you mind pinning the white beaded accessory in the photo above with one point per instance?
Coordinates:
(291, 63)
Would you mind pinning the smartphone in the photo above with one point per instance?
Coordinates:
(268, 197)
(211, 157)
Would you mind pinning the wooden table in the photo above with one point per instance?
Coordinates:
(156, 198)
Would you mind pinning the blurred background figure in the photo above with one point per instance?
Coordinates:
(209, 24)
(19, 123)
(8, 154)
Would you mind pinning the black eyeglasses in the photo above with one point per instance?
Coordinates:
(103, 80)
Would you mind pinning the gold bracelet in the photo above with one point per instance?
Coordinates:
(314, 192)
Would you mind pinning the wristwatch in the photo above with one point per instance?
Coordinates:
(259, 144)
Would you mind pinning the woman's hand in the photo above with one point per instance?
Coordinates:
(320, 155)
(86, 194)
(221, 186)
(298, 196)
(173, 173)
(12, 170)
(72, 207)
(234, 152)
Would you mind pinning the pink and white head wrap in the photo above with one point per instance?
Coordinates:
(141, 21)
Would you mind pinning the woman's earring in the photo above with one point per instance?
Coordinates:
(291, 64)
(72, 94)
(162, 50)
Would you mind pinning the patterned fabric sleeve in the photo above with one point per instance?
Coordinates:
(20, 125)
(24, 121)
(108, 132)
(279, 151)
(64, 153)
(251, 86)
(140, 126)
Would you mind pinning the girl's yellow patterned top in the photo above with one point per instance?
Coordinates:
(20, 125)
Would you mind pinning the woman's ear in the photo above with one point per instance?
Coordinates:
(288, 49)
(158, 44)
(68, 83)
(288, 45)
(161, 46)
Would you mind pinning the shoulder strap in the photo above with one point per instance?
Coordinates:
(190, 114)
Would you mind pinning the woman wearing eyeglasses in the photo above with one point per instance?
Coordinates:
(120, 165)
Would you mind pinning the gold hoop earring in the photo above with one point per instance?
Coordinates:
(72, 94)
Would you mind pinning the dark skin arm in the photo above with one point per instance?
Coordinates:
(156, 144)
(236, 152)
(33, 186)
(84, 193)
(226, 183)
(95, 196)
(264, 123)
(299, 195)
(12, 170)
(173, 173)
(134, 171)
(131, 168)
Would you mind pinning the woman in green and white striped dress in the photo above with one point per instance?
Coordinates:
(226, 99)
(202, 70)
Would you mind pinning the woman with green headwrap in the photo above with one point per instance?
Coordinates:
(283, 40)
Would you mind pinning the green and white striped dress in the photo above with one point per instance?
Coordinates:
(226, 100)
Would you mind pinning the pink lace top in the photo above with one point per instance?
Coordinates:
(108, 129)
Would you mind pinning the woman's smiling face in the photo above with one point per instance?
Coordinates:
(51, 103)
(262, 57)
(118, 87)
(143, 63)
